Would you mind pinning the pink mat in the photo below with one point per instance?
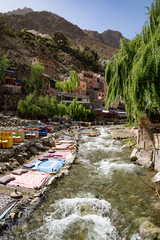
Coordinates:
(60, 154)
(65, 141)
(63, 146)
(30, 180)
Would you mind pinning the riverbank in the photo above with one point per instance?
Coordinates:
(104, 197)
(119, 132)
(15, 158)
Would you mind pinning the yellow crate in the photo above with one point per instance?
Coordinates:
(6, 140)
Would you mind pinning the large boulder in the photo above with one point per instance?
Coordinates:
(148, 231)
(145, 158)
(39, 146)
(133, 156)
(156, 178)
(33, 150)
(156, 157)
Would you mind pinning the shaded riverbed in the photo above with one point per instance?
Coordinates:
(104, 197)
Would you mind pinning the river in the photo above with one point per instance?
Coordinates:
(105, 197)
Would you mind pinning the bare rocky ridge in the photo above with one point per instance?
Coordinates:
(112, 38)
(20, 11)
(49, 23)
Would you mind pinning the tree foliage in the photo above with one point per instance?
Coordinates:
(62, 109)
(134, 73)
(4, 63)
(36, 80)
(70, 84)
(61, 40)
(45, 107)
(78, 111)
(38, 107)
(28, 106)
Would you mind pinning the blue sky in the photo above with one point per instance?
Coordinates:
(126, 16)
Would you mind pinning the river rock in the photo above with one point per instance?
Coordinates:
(148, 231)
(133, 156)
(144, 158)
(25, 154)
(52, 143)
(157, 206)
(35, 201)
(20, 214)
(156, 178)
(20, 159)
(65, 172)
(33, 150)
(156, 157)
(51, 180)
(70, 159)
(23, 148)
(39, 146)
(13, 215)
(9, 167)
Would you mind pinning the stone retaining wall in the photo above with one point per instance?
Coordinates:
(147, 150)
(20, 153)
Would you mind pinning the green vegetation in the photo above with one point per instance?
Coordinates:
(132, 124)
(131, 142)
(134, 72)
(36, 80)
(70, 84)
(61, 40)
(38, 106)
(77, 111)
(87, 56)
(44, 107)
(4, 62)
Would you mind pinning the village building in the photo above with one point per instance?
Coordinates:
(49, 65)
(10, 82)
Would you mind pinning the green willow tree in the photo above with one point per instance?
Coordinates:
(28, 106)
(42, 107)
(70, 84)
(78, 111)
(62, 109)
(37, 80)
(134, 73)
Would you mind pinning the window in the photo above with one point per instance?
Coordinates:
(83, 86)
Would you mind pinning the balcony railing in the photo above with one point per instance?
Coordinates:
(71, 95)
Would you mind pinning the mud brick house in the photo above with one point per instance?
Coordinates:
(10, 83)
(49, 66)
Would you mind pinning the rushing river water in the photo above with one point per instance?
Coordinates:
(105, 197)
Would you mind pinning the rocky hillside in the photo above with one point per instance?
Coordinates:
(49, 23)
(112, 38)
(20, 11)
(79, 51)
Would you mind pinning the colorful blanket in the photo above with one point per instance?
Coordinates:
(60, 154)
(63, 146)
(6, 203)
(66, 137)
(32, 180)
(51, 165)
(65, 141)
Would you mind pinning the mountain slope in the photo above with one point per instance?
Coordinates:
(112, 38)
(106, 44)
(20, 11)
